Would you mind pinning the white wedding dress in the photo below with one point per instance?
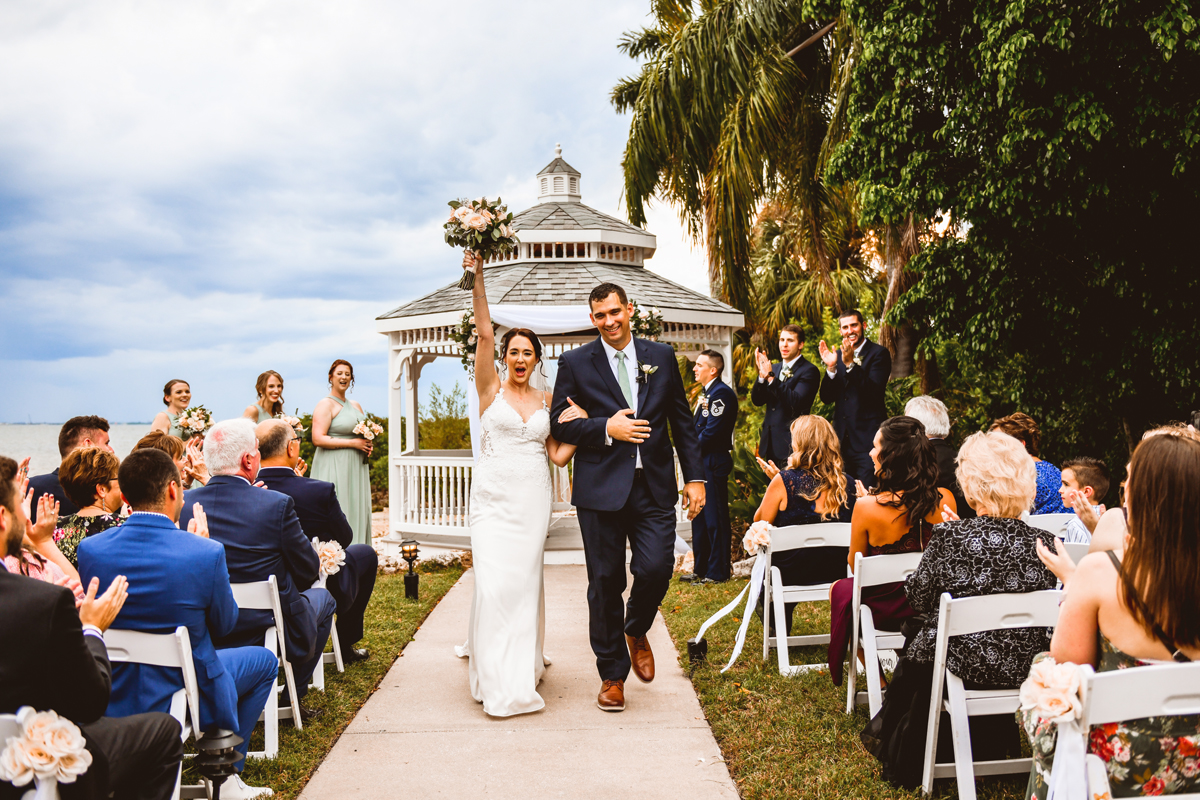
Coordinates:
(510, 514)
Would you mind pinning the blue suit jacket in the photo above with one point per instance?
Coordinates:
(48, 484)
(714, 428)
(860, 397)
(262, 537)
(175, 578)
(604, 473)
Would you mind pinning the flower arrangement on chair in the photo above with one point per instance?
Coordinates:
(50, 749)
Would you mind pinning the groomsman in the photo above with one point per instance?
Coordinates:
(715, 418)
(787, 388)
(77, 432)
(855, 380)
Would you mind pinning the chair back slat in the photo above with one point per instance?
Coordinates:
(820, 534)
(1076, 550)
(991, 612)
(255, 595)
(1159, 690)
(874, 570)
(1055, 523)
(138, 647)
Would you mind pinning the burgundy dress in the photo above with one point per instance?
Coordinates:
(887, 601)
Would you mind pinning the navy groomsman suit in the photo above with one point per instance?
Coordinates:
(321, 516)
(716, 416)
(178, 578)
(859, 395)
(263, 537)
(788, 396)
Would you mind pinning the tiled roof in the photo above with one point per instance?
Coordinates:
(569, 217)
(563, 283)
(558, 165)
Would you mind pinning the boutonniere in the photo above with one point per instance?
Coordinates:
(785, 374)
(857, 361)
(645, 371)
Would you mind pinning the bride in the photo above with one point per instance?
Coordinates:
(510, 514)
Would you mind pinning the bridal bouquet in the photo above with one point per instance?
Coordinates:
(757, 535)
(467, 336)
(49, 748)
(646, 324)
(482, 226)
(332, 557)
(195, 421)
(295, 422)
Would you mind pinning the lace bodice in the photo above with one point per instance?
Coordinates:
(506, 436)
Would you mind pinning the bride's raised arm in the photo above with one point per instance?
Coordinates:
(487, 382)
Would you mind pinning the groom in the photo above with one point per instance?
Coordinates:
(624, 484)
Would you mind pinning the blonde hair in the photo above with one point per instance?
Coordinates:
(996, 473)
(815, 450)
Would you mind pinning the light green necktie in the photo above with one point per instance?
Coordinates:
(623, 379)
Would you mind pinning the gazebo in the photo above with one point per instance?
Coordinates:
(566, 249)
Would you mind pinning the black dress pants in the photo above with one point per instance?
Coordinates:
(650, 530)
(352, 591)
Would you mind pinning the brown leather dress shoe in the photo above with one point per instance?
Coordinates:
(641, 657)
(612, 696)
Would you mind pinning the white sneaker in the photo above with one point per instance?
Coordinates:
(234, 788)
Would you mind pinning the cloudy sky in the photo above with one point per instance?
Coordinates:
(205, 190)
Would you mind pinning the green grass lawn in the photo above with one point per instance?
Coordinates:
(391, 621)
(786, 737)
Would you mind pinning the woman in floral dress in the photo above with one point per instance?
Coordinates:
(1136, 606)
(89, 477)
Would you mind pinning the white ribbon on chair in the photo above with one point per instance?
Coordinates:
(754, 588)
(1068, 776)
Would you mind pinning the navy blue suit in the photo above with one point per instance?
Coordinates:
(321, 516)
(177, 578)
(785, 400)
(48, 484)
(711, 533)
(263, 537)
(615, 501)
(859, 395)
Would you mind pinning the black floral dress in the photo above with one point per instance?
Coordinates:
(72, 529)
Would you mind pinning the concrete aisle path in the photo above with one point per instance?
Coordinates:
(422, 735)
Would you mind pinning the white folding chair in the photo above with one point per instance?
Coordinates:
(872, 571)
(971, 615)
(1055, 523)
(264, 595)
(11, 726)
(318, 678)
(1076, 550)
(1161, 690)
(775, 594)
(172, 650)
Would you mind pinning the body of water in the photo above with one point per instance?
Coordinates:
(40, 442)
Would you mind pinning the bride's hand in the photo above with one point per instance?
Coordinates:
(572, 412)
(471, 261)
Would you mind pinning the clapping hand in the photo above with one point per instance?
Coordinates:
(1056, 560)
(847, 351)
(763, 363)
(301, 467)
(198, 524)
(768, 467)
(194, 466)
(1083, 508)
(571, 412)
(43, 531)
(101, 611)
(859, 489)
(23, 471)
(72, 585)
(948, 514)
(827, 355)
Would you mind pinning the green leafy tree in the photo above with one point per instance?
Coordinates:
(443, 423)
(1058, 142)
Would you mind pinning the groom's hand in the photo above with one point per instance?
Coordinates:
(694, 494)
(622, 426)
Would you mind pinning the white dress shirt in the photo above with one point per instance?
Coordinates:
(831, 373)
(630, 352)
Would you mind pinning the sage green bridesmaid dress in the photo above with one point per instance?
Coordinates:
(263, 416)
(346, 468)
(175, 430)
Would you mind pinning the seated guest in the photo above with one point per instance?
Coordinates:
(897, 518)
(89, 477)
(933, 415)
(1023, 428)
(993, 553)
(1135, 606)
(75, 433)
(322, 517)
(1084, 484)
(177, 578)
(262, 537)
(811, 489)
(54, 659)
(187, 457)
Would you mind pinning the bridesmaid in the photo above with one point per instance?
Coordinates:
(176, 396)
(270, 398)
(341, 455)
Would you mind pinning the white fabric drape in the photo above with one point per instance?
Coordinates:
(542, 320)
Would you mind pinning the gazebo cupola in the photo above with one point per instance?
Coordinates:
(566, 249)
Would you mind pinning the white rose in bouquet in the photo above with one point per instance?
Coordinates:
(332, 557)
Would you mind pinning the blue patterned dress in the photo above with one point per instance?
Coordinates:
(1048, 500)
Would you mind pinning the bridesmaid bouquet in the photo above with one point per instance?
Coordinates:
(195, 421)
(368, 429)
(295, 422)
(482, 226)
(49, 748)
